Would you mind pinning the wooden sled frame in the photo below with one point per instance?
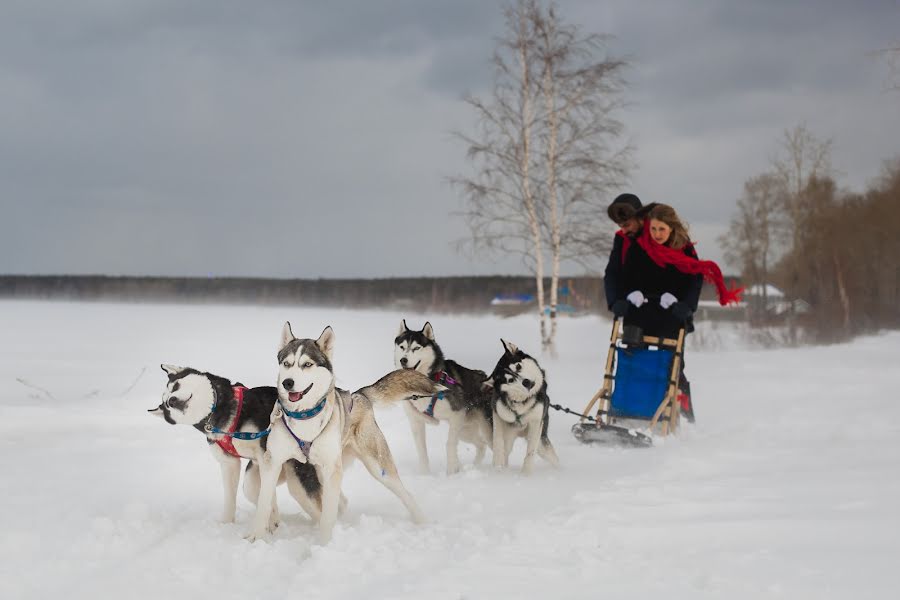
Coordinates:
(668, 413)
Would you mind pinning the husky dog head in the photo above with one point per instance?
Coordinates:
(517, 375)
(189, 396)
(304, 366)
(416, 349)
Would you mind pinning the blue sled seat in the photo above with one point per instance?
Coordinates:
(641, 382)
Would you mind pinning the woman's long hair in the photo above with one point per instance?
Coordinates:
(679, 237)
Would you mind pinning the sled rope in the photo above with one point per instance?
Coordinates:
(572, 412)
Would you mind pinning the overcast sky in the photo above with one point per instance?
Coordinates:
(311, 139)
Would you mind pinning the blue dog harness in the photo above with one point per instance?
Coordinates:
(443, 378)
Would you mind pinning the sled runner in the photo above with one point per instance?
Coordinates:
(640, 383)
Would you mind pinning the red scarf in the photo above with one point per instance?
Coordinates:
(626, 241)
(664, 255)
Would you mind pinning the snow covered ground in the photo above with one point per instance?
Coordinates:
(786, 487)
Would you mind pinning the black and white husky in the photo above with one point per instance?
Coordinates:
(520, 408)
(465, 405)
(235, 420)
(318, 424)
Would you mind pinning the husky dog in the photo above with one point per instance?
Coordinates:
(319, 424)
(235, 420)
(466, 404)
(520, 408)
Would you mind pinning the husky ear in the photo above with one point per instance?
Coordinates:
(287, 336)
(487, 383)
(326, 342)
(428, 331)
(509, 347)
(171, 369)
(403, 328)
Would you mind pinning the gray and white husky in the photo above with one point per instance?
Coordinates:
(226, 412)
(316, 423)
(465, 405)
(520, 408)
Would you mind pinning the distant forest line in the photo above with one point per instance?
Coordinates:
(443, 294)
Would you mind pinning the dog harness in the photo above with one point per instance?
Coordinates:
(227, 443)
(443, 378)
(305, 446)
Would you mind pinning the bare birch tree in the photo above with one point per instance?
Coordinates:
(501, 209)
(546, 150)
(582, 157)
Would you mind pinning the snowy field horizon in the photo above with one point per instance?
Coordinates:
(786, 487)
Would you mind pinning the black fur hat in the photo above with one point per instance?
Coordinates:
(624, 207)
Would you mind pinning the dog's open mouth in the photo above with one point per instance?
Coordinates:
(414, 367)
(297, 396)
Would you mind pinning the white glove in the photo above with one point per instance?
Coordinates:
(667, 300)
(636, 297)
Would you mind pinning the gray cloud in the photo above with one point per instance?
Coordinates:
(311, 139)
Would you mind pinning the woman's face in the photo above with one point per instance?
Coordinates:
(659, 231)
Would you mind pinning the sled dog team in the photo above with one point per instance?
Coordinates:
(304, 431)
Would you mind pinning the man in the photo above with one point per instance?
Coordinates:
(624, 212)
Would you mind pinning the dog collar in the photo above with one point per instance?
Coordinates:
(303, 415)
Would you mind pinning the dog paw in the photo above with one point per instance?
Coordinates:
(452, 469)
(253, 536)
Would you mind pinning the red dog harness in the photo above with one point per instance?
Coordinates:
(227, 443)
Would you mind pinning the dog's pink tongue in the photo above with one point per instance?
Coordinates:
(294, 396)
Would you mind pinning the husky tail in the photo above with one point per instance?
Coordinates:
(400, 385)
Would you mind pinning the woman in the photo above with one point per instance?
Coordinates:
(662, 278)
(661, 297)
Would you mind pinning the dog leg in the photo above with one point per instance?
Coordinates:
(457, 422)
(501, 457)
(374, 452)
(533, 440)
(312, 505)
(510, 434)
(417, 425)
(383, 469)
(547, 452)
(330, 476)
(251, 491)
(482, 436)
(479, 453)
(251, 482)
(231, 474)
(269, 471)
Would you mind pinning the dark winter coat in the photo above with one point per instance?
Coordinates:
(612, 277)
(639, 272)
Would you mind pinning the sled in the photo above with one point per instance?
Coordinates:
(640, 384)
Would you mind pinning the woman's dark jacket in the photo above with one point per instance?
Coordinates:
(639, 272)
